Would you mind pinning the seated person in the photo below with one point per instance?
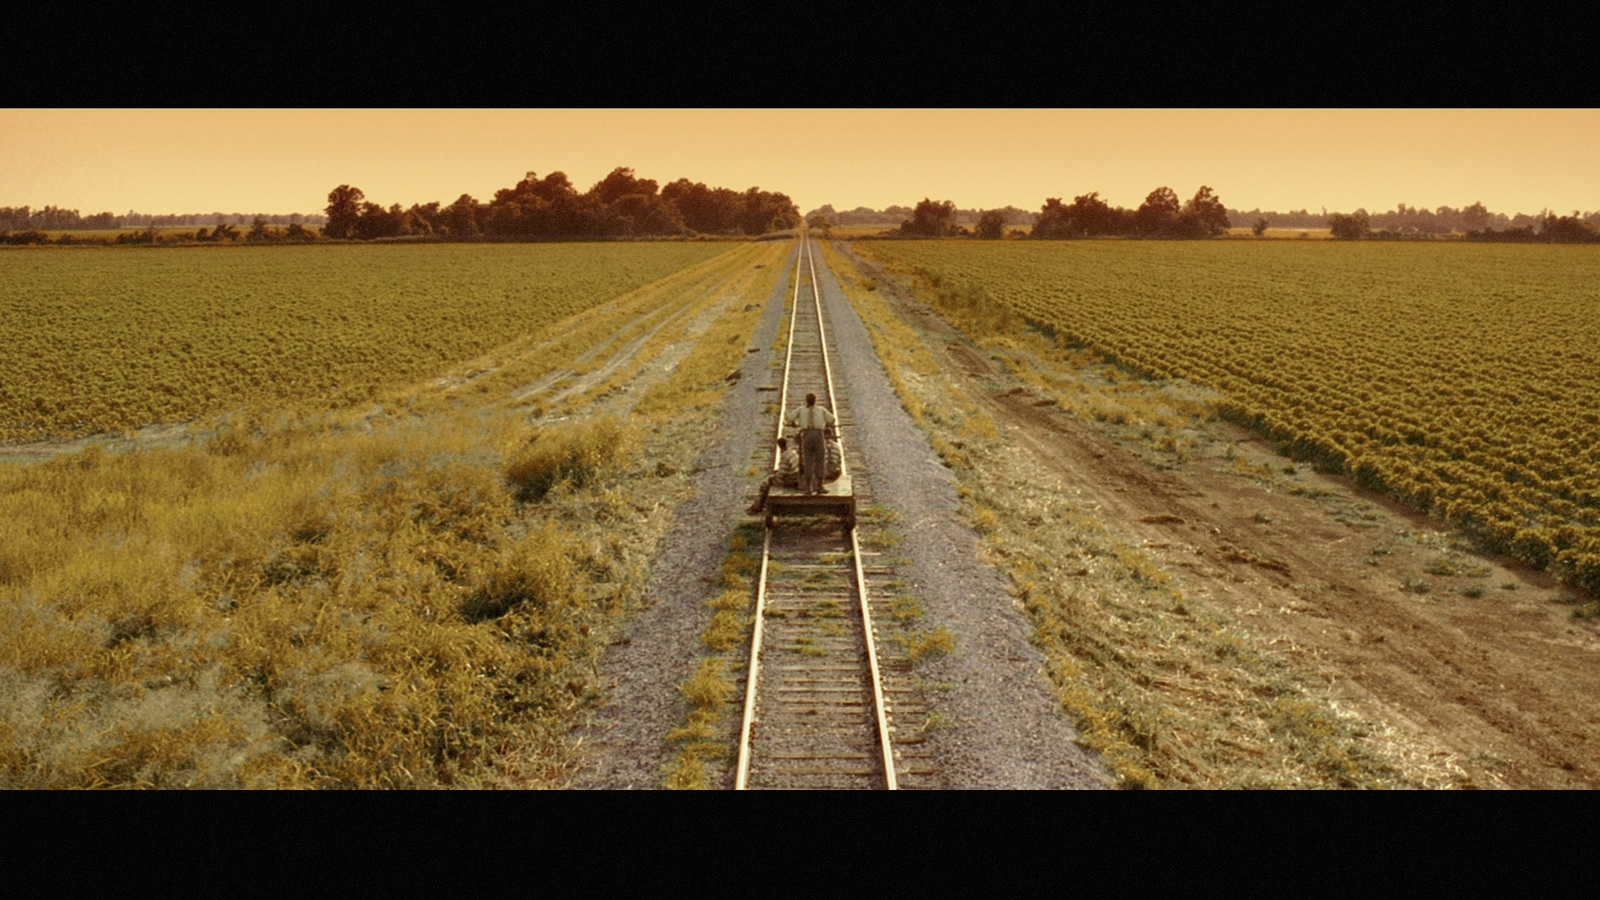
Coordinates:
(835, 466)
(787, 475)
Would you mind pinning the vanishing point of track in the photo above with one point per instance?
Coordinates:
(818, 706)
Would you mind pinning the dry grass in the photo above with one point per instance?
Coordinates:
(707, 695)
(706, 735)
(300, 608)
(575, 454)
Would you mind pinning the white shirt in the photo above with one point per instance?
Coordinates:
(811, 417)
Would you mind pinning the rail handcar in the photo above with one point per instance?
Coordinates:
(838, 498)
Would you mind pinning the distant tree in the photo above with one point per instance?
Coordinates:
(425, 218)
(1053, 221)
(705, 210)
(415, 220)
(377, 222)
(1475, 217)
(1159, 212)
(1093, 215)
(460, 219)
(1568, 230)
(992, 225)
(550, 188)
(818, 222)
(826, 212)
(1350, 227)
(784, 213)
(1259, 228)
(370, 224)
(548, 207)
(259, 230)
(930, 218)
(1209, 217)
(344, 211)
(621, 204)
(642, 214)
(761, 212)
(1086, 216)
(621, 183)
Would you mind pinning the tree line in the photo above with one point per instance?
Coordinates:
(1161, 215)
(1573, 229)
(53, 218)
(1548, 228)
(174, 220)
(225, 232)
(894, 215)
(548, 208)
(1472, 222)
(24, 218)
(551, 208)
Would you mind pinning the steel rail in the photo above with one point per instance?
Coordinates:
(742, 772)
(855, 544)
(788, 357)
(746, 757)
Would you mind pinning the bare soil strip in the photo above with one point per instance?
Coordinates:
(1477, 668)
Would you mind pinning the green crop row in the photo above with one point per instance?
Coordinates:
(1458, 377)
(121, 338)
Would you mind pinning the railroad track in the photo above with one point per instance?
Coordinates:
(825, 706)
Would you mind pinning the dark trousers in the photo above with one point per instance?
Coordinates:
(813, 460)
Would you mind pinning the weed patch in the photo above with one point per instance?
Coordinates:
(921, 645)
(575, 454)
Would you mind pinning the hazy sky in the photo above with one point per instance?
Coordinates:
(283, 161)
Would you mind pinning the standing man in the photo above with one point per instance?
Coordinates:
(814, 422)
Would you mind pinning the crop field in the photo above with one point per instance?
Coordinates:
(116, 338)
(1460, 378)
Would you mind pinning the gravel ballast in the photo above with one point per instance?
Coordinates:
(624, 744)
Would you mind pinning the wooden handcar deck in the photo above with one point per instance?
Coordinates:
(838, 498)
